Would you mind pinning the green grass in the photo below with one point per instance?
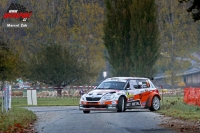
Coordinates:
(16, 120)
(175, 107)
(58, 101)
(63, 101)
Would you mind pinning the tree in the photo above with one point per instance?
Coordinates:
(55, 65)
(174, 28)
(76, 24)
(131, 37)
(194, 8)
(11, 67)
(144, 37)
(86, 35)
(116, 36)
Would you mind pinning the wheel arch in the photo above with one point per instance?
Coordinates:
(149, 100)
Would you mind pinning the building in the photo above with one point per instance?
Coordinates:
(191, 78)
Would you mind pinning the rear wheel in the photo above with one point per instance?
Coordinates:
(155, 104)
(86, 111)
(121, 105)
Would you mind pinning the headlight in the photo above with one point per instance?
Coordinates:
(83, 98)
(108, 97)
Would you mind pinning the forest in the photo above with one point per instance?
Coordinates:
(72, 41)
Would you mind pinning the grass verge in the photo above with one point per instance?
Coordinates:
(19, 119)
(16, 120)
(62, 101)
(175, 107)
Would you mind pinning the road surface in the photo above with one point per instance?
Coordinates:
(63, 119)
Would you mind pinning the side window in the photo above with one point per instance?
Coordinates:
(133, 84)
(148, 84)
(143, 83)
(152, 85)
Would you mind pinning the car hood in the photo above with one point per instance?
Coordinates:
(101, 92)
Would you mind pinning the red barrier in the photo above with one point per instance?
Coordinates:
(186, 93)
(192, 96)
(198, 96)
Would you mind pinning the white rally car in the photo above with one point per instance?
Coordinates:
(121, 93)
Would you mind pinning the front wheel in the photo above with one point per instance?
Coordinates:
(121, 105)
(155, 105)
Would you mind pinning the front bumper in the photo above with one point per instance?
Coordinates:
(110, 105)
(100, 107)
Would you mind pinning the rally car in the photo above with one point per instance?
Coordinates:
(120, 94)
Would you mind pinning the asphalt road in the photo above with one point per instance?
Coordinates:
(61, 119)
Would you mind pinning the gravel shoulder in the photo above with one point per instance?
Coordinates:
(179, 125)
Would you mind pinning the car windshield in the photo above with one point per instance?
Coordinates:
(111, 85)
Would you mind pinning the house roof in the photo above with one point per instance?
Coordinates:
(188, 72)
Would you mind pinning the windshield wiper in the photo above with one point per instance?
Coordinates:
(108, 88)
(112, 88)
(100, 88)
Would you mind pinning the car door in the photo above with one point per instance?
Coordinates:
(138, 89)
(133, 93)
(131, 90)
(146, 90)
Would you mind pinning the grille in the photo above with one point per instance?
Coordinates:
(95, 106)
(93, 99)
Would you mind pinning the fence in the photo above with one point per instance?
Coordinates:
(192, 96)
(68, 91)
(171, 92)
(73, 91)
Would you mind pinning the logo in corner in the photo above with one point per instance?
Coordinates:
(17, 11)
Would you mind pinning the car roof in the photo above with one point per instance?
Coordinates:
(122, 79)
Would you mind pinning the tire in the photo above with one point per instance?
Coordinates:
(155, 105)
(121, 105)
(86, 111)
